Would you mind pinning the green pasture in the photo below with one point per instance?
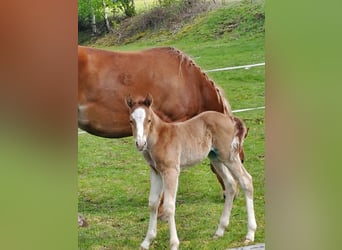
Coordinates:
(114, 178)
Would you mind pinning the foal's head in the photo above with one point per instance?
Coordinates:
(140, 119)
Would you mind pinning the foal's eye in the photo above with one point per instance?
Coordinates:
(149, 121)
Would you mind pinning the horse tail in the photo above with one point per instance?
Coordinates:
(240, 133)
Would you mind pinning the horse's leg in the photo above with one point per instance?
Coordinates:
(161, 214)
(246, 183)
(153, 202)
(160, 208)
(222, 186)
(242, 158)
(219, 179)
(230, 192)
(170, 181)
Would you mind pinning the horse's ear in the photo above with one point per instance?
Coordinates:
(129, 101)
(148, 100)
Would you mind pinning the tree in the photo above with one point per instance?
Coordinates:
(106, 16)
(88, 12)
(93, 12)
(128, 7)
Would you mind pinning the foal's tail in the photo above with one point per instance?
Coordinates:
(241, 132)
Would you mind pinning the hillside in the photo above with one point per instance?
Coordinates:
(195, 22)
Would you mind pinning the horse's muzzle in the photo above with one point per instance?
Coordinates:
(141, 145)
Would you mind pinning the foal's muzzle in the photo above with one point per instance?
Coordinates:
(141, 145)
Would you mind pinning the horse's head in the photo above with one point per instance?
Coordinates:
(140, 119)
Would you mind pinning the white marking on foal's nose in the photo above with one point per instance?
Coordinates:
(139, 116)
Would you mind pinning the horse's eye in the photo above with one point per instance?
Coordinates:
(149, 120)
(130, 121)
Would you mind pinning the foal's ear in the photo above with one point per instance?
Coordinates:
(129, 101)
(148, 100)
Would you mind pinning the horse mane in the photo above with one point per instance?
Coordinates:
(185, 59)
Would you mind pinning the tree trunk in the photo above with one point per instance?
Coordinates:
(106, 16)
(93, 21)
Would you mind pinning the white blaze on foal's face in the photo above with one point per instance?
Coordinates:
(138, 120)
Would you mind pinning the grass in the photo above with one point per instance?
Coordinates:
(114, 178)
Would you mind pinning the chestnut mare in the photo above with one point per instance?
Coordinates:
(180, 89)
(168, 147)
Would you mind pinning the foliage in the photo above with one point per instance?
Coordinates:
(128, 7)
(89, 8)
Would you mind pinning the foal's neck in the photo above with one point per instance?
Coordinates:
(158, 124)
(156, 120)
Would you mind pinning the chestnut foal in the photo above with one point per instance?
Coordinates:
(167, 147)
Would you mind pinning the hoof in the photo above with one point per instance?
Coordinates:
(174, 245)
(247, 242)
(216, 236)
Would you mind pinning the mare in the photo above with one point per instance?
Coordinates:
(168, 147)
(180, 88)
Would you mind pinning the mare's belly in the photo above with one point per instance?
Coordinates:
(102, 122)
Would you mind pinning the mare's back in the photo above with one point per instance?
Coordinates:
(171, 77)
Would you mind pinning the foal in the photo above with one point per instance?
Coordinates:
(167, 147)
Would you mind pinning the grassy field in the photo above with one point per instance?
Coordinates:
(114, 178)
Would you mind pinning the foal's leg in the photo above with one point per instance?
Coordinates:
(246, 183)
(160, 208)
(242, 158)
(219, 180)
(170, 180)
(155, 192)
(230, 192)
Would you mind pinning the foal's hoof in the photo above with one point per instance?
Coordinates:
(247, 242)
(143, 248)
(216, 236)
